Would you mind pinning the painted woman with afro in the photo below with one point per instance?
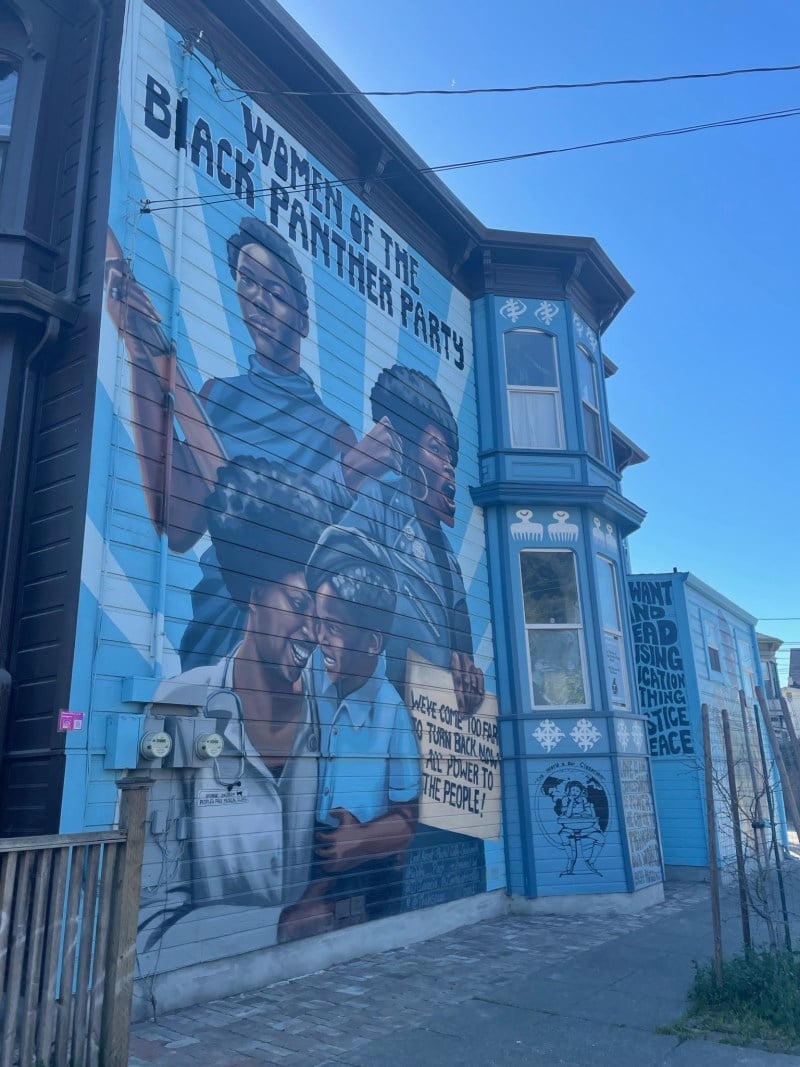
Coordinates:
(409, 516)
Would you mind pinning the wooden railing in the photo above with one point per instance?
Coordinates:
(68, 914)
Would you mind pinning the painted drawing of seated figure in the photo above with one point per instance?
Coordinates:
(580, 830)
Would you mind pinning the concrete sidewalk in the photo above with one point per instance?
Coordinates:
(587, 990)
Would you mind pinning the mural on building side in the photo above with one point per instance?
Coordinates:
(660, 670)
(297, 404)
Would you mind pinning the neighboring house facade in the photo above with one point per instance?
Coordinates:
(767, 651)
(794, 668)
(693, 646)
(791, 694)
(56, 148)
(316, 509)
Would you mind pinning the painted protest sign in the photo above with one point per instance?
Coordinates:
(460, 754)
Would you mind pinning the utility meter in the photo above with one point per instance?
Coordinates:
(208, 746)
(155, 745)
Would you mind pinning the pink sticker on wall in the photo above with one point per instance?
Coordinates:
(69, 720)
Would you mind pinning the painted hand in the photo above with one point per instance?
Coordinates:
(132, 311)
(342, 847)
(468, 682)
(124, 296)
(377, 453)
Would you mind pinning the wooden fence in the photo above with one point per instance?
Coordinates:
(68, 915)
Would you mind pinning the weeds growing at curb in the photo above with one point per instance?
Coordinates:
(758, 1000)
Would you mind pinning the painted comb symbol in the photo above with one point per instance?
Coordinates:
(525, 530)
(561, 530)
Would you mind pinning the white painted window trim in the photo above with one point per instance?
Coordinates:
(576, 627)
(554, 391)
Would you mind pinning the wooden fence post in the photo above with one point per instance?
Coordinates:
(116, 1019)
(737, 830)
(713, 867)
(759, 823)
(794, 747)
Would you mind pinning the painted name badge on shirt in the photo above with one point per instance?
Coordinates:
(220, 796)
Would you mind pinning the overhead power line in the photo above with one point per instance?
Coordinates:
(552, 85)
(498, 89)
(218, 198)
(741, 121)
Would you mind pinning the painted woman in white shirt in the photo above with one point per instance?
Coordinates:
(239, 829)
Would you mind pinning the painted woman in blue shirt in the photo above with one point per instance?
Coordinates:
(271, 412)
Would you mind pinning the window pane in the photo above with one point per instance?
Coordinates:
(607, 591)
(534, 420)
(586, 379)
(556, 669)
(8, 90)
(550, 588)
(531, 359)
(591, 431)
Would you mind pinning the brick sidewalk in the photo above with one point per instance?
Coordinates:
(317, 1020)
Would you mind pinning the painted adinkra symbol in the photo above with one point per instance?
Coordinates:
(578, 325)
(605, 536)
(548, 734)
(561, 530)
(638, 736)
(525, 530)
(585, 734)
(580, 812)
(513, 309)
(623, 735)
(546, 312)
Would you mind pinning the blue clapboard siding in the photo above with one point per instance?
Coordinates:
(349, 342)
(716, 642)
(665, 676)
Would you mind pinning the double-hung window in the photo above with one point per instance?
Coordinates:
(613, 641)
(590, 405)
(711, 634)
(534, 395)
(553, 628)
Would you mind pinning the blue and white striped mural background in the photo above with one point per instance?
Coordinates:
(350, 340)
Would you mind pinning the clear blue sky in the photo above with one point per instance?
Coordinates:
(706, 227)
